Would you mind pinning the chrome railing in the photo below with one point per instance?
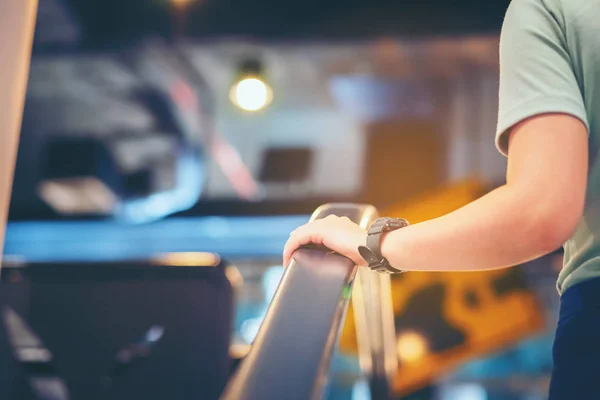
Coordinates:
(375, 330)
(291, 354)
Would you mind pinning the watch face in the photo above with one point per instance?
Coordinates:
(394, 223)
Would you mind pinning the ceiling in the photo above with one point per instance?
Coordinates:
(88, 89)
(102, 23)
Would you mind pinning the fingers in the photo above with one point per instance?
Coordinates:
(303, 235)
(339, 234)
(290, 246)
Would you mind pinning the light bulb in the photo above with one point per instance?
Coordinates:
(251, 94)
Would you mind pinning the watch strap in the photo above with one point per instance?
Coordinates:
(374, 244)
(372, 251)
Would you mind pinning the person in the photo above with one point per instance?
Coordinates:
(549, 128)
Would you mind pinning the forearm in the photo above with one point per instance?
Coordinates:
(499, 230)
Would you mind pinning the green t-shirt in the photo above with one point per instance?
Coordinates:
(550, 62)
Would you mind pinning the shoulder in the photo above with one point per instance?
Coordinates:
(533, 12)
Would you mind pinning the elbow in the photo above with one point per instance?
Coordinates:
(553, 227)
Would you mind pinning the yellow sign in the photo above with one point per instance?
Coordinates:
(443, 319)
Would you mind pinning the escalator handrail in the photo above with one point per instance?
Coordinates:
(292, 351)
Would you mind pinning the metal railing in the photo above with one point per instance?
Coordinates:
(291, 354)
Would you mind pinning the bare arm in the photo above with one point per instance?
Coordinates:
(17, 20)
(534, 213)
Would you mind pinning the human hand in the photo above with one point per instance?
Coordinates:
(336, 233)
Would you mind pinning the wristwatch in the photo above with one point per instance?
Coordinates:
(372, 251)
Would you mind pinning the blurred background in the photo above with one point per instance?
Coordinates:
(190, 132)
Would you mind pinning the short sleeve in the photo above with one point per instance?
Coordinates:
(536, 72)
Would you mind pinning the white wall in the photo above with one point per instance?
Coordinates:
(472, 127)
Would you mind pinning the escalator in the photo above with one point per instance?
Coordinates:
(291, 355)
